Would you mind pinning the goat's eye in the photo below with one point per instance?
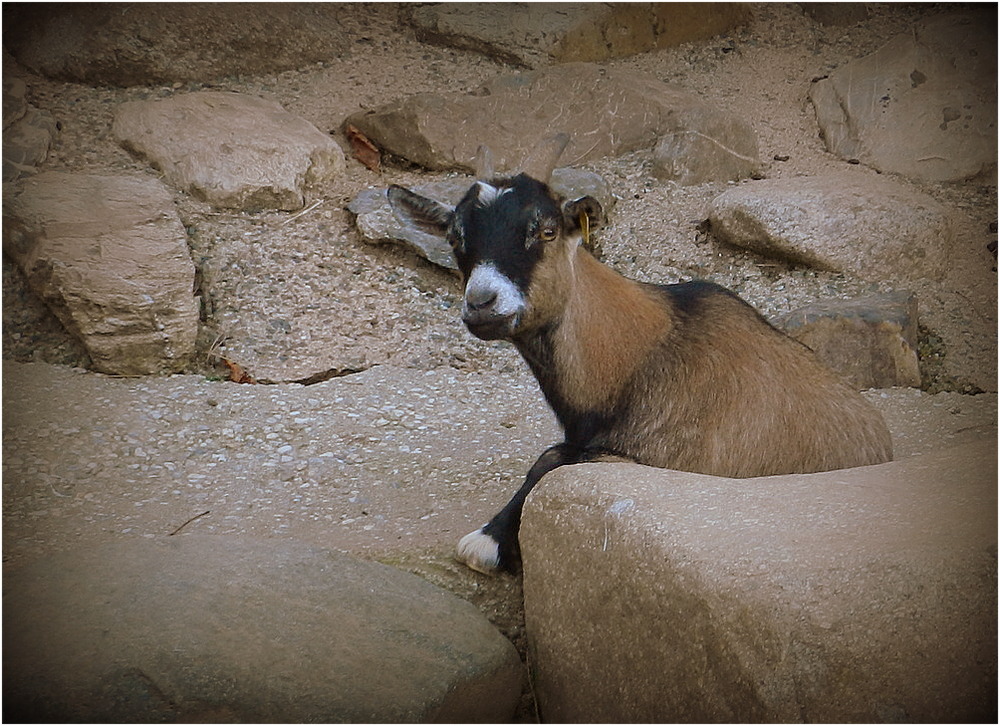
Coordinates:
(547, 234)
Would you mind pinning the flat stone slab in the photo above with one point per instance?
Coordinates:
(109, 256)
(860, 595)
(231, 150)
(211, 628)
(605, 111)
(875, 228)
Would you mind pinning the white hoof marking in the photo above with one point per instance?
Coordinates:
(479, 551)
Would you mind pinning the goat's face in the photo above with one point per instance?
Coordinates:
(514, 241)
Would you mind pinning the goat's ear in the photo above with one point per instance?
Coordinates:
(427, 214)
(573, 209)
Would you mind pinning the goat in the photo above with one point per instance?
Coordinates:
(685, 376)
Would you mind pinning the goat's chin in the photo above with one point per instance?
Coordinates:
(493, 330)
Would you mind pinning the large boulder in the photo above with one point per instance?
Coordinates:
(109, 256)
(213, 628)
(230, 149)
(872, 227)
(865, 595)
(923, 105)
(606, 112)
(538, 34)
(102, 44)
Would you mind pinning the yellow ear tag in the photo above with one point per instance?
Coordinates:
(585, 229)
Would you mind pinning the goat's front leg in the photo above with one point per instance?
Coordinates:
(494, 546)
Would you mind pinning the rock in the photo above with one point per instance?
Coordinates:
(539, 34)
(215, 628)
(836, 13)
(377, 222)
(873, 227)
(721, 149)
(923, 105)
(15, 106)
(606, 112)
(229, 149)
(109, 256)
(149, 43)
(871, 341)
(27, 132)
(864, 595)
(26, 143)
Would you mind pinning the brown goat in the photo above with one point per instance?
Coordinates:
(685, 376)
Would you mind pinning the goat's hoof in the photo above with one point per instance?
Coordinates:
(480, 552)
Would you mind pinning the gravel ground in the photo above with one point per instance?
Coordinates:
(397, 461)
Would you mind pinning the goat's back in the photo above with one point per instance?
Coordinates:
(725, 393)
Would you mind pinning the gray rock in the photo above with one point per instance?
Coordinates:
(26, 143)
(377, 221)
(923, 105)
(856, 595)
(873, 227)
(606, 112)
(537, 34)
(203, 628)
(871, 342)
(27, 132)
(109, 255)
(229, 149)
(14, 103)
(150, 43)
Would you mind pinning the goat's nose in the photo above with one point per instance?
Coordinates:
(479, 299)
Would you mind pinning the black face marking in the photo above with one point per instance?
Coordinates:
(505, 224)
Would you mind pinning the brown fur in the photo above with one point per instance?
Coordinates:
(721, 393)
(631, 320)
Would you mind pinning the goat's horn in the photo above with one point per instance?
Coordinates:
(484, 164)
(542, 160)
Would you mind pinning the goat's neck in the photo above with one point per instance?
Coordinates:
(607, 329)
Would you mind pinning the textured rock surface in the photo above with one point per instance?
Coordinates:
(101, 44)
(392, 463)
(720, 149)
(377, 222)
(606, 112)
(201, 628)
(923, 105)
(836, 13)
(109, 256)
(536, 34)
(26, 144)
(874, 228)
(27, 132)
(230, 149)
(859, 595)
(871, 342)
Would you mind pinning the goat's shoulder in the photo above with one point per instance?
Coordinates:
(701, 308)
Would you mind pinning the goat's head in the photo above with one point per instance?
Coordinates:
(514, 240)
